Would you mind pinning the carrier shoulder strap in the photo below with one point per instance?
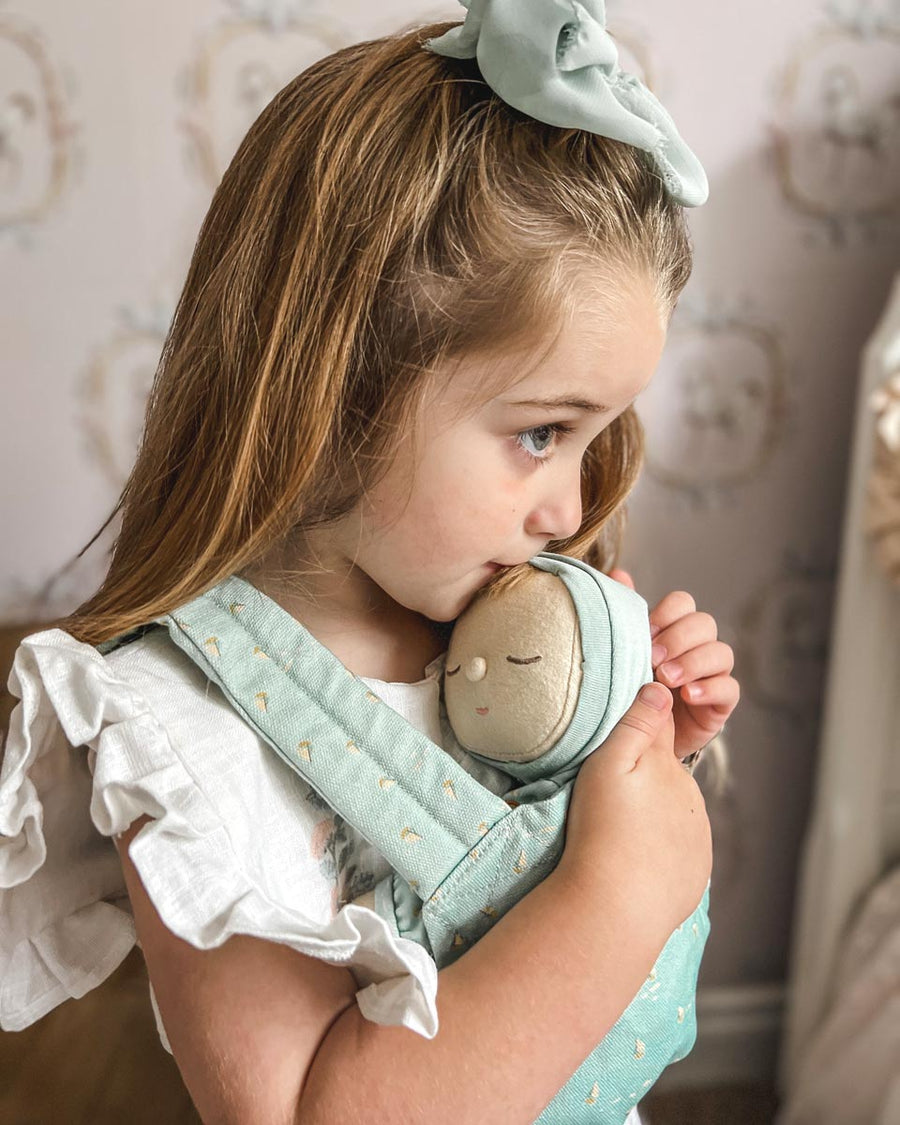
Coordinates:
(405, 794)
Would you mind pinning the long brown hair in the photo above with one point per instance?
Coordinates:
(385, 213)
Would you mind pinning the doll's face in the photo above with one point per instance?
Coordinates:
(512, 674)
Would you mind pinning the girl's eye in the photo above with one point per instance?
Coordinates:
(544, 435)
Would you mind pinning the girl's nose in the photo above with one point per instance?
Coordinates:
(559, 515)
(476, 669)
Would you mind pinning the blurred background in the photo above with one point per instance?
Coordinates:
(771, 490)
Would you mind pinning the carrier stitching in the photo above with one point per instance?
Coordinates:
(430, 819)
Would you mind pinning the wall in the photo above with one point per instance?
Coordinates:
(117, 120)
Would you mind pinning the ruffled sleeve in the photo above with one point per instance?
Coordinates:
(86, 755)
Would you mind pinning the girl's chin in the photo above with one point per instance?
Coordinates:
(453, 607)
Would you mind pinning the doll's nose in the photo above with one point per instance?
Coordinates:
(476, 669)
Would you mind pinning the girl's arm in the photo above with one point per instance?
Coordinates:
(244, 1020)
(519, 1013)
(264, 1035)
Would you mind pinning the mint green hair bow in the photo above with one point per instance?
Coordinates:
(555, 61)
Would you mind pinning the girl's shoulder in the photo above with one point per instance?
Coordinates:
(185, 702)
(235, 844)
(147, 695)
(151, 722)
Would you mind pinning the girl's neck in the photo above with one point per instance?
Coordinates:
(372, 636)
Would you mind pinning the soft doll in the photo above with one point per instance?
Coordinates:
(536, 676)
(525, 686)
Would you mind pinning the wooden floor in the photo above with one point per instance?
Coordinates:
(726, 1105)
(94, 1061)
(98, 1061)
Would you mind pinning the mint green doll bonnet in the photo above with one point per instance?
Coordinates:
(536, 678)
(555, 61)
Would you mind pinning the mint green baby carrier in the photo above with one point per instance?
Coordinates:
(461, 855)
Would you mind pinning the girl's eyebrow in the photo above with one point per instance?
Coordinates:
(565, 400)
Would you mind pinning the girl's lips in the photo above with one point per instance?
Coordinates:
(482, 710)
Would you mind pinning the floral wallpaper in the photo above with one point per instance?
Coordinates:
(116, 122)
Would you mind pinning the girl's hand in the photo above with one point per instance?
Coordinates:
(690, 640)
(637, 830)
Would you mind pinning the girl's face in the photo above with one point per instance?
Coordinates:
(497, 484)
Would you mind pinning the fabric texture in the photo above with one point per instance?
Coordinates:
(848, 1072)
(97, 742)
(555, 61)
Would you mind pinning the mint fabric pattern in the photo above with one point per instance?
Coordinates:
(555, 61)
(461, 855)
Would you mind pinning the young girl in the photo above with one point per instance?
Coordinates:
(404, 361)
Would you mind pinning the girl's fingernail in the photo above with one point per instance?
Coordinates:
(672, 671)
(655, 695)
(694, 692)
(654, 629)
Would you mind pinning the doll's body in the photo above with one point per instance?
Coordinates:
(536, 677)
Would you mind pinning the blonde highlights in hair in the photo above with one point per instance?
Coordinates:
(384, 214)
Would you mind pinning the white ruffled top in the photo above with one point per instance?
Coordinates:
(238, 843)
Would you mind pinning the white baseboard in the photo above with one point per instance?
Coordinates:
(738, 1037)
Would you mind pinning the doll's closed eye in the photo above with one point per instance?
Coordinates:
(511, 659)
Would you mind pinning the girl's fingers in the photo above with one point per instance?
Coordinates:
(706, 660)
(686, 634)
(719, 692)
(672, 608)
(642, 723)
